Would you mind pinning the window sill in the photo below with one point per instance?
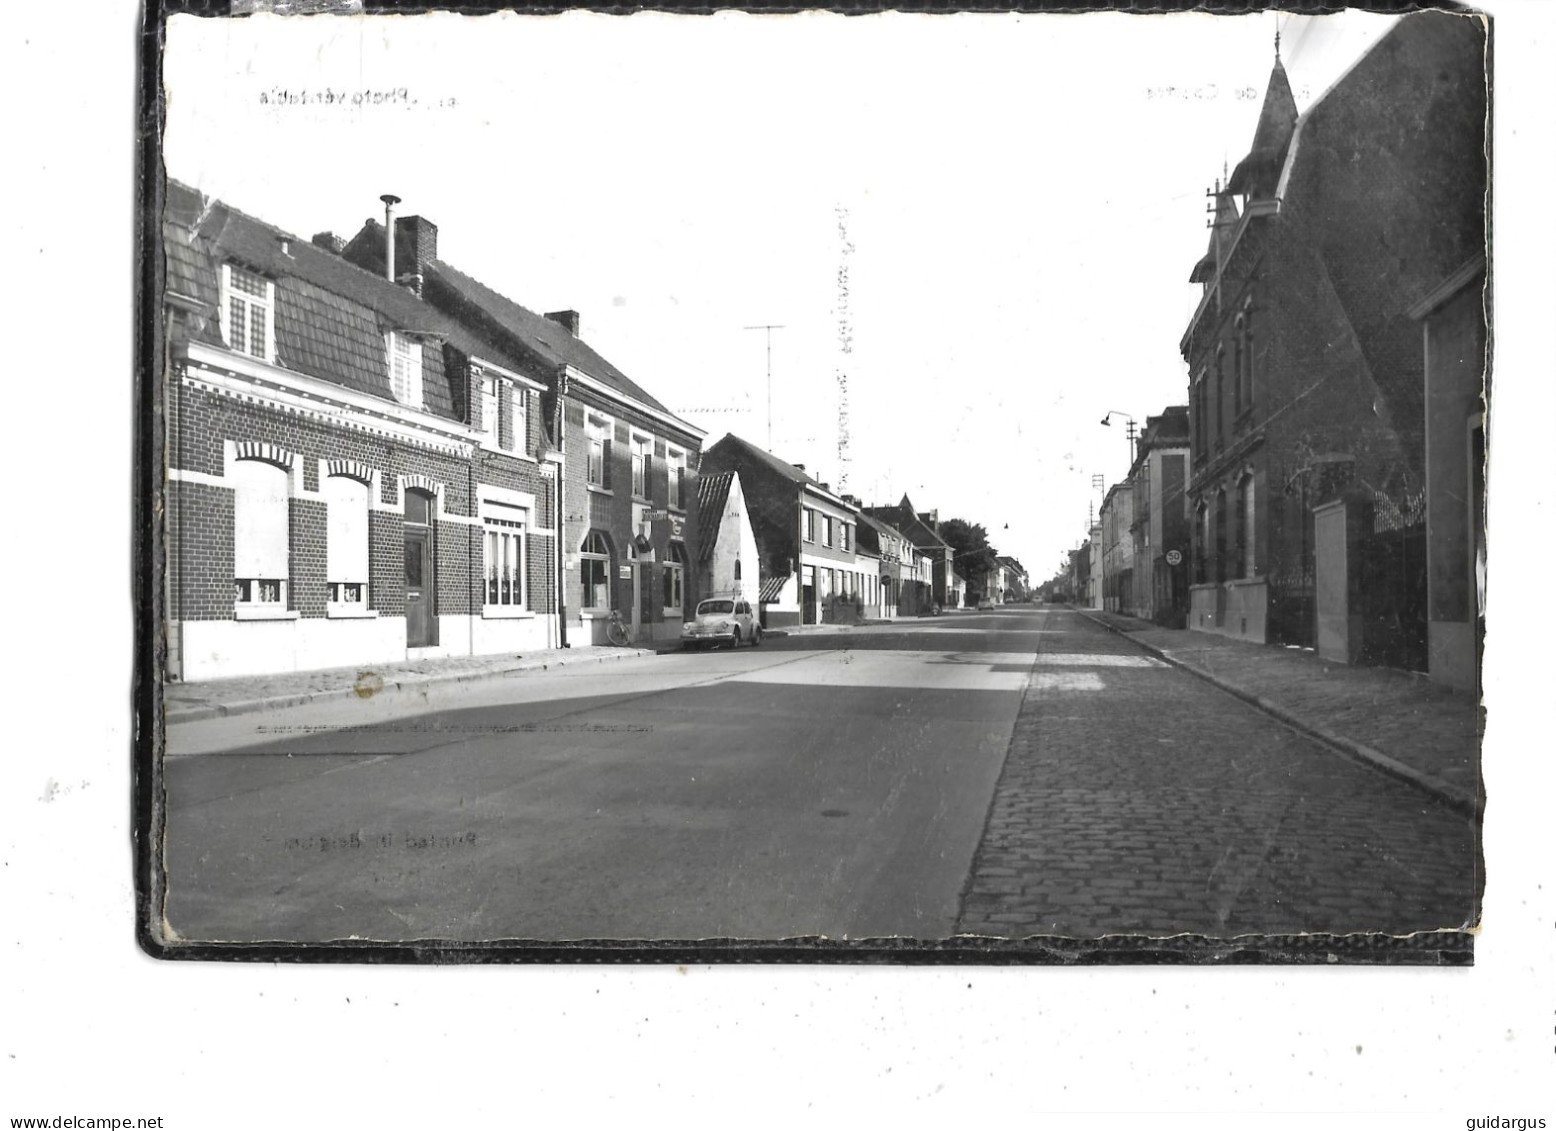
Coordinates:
(263, 612)
(596, 489)
(505, 612)
(594, 614)
(350, 612)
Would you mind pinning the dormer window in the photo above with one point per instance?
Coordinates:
(247, 312)
(405, 369)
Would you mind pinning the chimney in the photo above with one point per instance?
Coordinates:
(390, 200)
(330, 242)
(567, 319)
(416, 241)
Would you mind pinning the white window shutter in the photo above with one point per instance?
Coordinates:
(260, 520)
(347, 528)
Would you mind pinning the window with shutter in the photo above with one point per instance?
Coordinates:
(261, 538)
(346, 544)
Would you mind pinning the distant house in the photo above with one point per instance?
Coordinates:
(956, 595)
(921, 529)
(1307, 437)
(898, 570)
(728, 564)
(805, 537)
(1118, 553)
(628, 527)
(1160, 530)
(339, 489)
(1013, 582)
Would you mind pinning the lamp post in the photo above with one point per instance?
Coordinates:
(1129, 430)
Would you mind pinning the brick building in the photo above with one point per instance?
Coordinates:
(1160, 530)
(1118, 550)
(629, 482)
(352, 476)
(921, 528)
(806, 537)
(1305, 367)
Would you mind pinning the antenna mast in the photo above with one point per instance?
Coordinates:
(769, 328)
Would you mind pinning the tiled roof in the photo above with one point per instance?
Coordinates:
(906, 519)
(549, 341)
(712, 494)
(787, 470)
(331, 316)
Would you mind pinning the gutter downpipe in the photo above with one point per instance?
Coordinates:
(559, 416)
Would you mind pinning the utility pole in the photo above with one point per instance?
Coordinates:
(769, 328)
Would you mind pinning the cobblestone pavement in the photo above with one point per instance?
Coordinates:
(1403, 715)
(1137, 798)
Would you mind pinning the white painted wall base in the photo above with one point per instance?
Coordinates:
(223, 649)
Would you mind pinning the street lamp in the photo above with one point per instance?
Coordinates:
(1129, 430)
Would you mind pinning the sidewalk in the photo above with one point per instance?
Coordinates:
(1399, 722)
(187, 702)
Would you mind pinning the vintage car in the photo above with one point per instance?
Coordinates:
(722, 620)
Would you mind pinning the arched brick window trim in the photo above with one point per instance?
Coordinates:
(269, 453)
(351, 469)
(421, 483)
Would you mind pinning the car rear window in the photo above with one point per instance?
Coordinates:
(715, 607)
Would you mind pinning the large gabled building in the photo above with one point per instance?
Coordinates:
(1305, 366)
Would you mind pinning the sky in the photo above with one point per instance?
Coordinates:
(975, 231)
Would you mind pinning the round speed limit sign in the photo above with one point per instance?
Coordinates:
(1174, 557)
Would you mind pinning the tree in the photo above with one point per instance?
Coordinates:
(970, 542)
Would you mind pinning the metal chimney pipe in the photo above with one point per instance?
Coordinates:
(390, 200)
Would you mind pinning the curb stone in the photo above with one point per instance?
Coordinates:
(200, 711)
(1347, 747)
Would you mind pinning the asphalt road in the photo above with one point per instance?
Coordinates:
(817, 785)
(1012, 773)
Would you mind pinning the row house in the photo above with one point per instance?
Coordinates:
(1013, 580)
(1307, 486)
(806, 535)
(1115, 520)
(1160, 530)
(921, 529)
(903, 590)
(628, 515)
(340, 489)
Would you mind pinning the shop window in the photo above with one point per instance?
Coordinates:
(594, 570)
(674, 571)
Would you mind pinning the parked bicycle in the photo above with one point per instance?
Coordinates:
(617, 632)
